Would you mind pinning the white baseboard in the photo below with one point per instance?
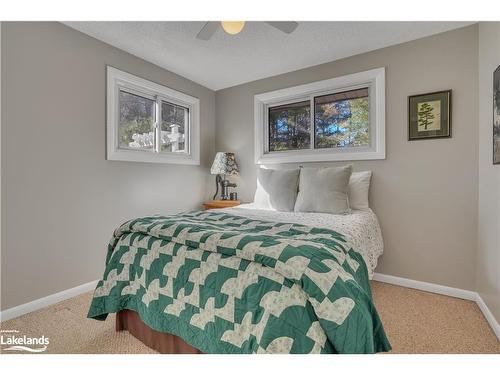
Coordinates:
(445, 290)
(489, 316)
(38, 304)
(428, 287)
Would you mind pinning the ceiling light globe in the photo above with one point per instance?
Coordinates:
(232, 27)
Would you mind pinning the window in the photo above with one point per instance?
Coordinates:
(337, 119)
(173, 127)
(289, 127)
(342, 119)
(147, 122)
(137, 122)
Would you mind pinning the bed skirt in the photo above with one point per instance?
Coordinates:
(128, 320)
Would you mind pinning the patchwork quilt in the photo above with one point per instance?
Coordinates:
(230, 284)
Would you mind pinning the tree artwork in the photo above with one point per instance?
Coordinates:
(429, 115)
(425, 115)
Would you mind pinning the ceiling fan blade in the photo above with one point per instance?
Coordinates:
(208, 30)
(285, 26)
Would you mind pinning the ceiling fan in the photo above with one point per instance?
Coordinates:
(234, 27)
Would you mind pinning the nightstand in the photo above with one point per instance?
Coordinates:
(220, 204)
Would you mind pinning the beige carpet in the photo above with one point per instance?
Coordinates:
(415, 322)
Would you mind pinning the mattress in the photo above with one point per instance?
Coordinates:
(361, 227)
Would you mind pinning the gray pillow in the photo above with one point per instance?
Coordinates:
(276, 189)
(323, 190)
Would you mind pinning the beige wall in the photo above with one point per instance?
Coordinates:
(61, 199)
(488, 259)
(425, 192)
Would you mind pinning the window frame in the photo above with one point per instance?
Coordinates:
(373, 79)
(117, 80)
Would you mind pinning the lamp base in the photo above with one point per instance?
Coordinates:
(224, 186)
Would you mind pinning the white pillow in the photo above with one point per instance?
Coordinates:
(323, 190)
(276, 189)
(359, 185)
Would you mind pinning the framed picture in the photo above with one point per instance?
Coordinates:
(496, 116)
(429, 115)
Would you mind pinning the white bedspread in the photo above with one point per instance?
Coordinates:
(361, 227)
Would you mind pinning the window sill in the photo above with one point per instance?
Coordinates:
(317, 156)
(152, 157)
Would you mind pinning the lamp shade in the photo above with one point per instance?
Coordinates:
(224, 163)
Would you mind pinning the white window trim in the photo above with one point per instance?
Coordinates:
(117, 79)
(374, 79)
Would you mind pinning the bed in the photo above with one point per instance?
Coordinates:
(360, 227)
(244, 280)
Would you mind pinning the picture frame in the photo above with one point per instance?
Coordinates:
(429, 115)
(496, 116)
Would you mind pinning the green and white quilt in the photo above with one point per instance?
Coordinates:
(230, 284)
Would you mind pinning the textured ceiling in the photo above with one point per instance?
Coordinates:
(259, 51)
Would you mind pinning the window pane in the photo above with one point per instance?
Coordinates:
(173, 124)
(290, 126)
(342, 119)
(137, 118)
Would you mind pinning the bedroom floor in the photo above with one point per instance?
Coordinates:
(415, 322)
